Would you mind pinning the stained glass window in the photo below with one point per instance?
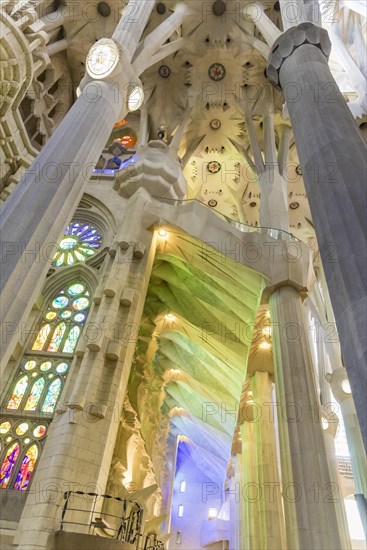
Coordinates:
(35, 395)
(71, 340)
(38, 383)
(57, 337)
(18, 393)
(52, 396)
(8, 465)
(81, 241)
(26, 469)
(63, 320)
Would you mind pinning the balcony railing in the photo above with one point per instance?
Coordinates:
(85, 513)
(278, 234)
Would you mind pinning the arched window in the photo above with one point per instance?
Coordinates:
(22, 441)
(8, 464)
(81, 241)
(38, 383)
(26, 468)
(63, 320)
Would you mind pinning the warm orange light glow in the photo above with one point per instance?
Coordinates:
(120, 123)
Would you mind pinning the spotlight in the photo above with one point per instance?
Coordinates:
(265, 345)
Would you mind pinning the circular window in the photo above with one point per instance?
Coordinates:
(81, 241)
(39, 431)
(60, 302)
(45, 367)
(5, 427)
(30, 365)
(80, 303)
(62, 368)
(22, 428)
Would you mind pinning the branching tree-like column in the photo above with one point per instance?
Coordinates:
(333, 160)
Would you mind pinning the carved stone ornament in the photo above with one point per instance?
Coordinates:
(289, 41)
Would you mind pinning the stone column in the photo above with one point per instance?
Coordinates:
(332, 155)
(311, 520)
(40, 207)
(81, 438)
(249, 531)
(271, 521)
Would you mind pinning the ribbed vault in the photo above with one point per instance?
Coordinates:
(193, 348)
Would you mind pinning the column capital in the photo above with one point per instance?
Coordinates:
(289, 41)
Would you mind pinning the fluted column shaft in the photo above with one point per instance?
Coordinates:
(38, 210)
(250, 534)
(271, 522)
(333, 160)
(311, 520)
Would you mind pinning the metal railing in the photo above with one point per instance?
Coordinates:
(126, 526)
(278, 234)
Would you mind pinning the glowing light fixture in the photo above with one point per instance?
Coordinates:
(212, 513)
(170, 317)
(325, 423)
(346, 387)
(265, 345)
(163, 234)
(183, 487)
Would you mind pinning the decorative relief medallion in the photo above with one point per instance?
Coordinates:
(164, 71)
(217, 72)
(215, 124)
(213, 167)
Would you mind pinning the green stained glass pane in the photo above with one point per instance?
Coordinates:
(41, 338)
(87, 251)
(52, 396)
(66, 314)
(60, 260)
(80, 256)
(71, 340)
(70, 259)
(34, 396)
(60, 302)
(80, 303)
(30, 365)
(46, 366)
(18, 393)
(57, 338)
(76, 289)
(68, 243)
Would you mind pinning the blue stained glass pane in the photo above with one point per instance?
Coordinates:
(26, 469)
(71, 340)
(52, 396)
(8, 465)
